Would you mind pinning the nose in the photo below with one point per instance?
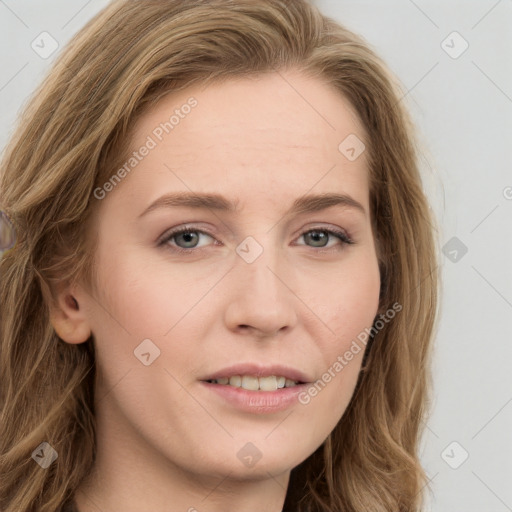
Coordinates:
(261, 301)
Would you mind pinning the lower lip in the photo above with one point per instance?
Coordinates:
(259, 402)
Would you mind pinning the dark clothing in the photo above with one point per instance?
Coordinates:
(69, 507)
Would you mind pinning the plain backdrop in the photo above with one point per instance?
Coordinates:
(454, 62)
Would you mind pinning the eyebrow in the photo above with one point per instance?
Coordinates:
(305, 204)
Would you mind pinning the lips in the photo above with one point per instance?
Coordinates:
(264, 393)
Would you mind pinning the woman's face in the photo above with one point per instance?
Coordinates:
(258, 287)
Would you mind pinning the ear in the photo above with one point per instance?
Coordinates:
(68, 317)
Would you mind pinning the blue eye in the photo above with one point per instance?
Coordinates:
(190, 238)
(320, 235)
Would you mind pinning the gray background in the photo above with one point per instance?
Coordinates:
(462, 104)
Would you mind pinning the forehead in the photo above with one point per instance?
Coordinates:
(295, 107)
(268, 132)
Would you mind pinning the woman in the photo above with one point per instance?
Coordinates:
(223, 289)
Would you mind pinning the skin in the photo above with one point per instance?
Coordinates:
(165, 442)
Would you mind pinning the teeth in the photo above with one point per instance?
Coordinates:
(268, 383)
(235, 381)
(252, 383)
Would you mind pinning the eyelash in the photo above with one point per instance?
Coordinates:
(342, 236)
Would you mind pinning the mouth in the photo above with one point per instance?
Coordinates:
(256, 377)
(256, 389)
(255, 383)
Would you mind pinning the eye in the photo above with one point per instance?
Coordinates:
(188, 236)
(320, 237)
(186, 239)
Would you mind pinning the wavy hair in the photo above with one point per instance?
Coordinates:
(71, 135)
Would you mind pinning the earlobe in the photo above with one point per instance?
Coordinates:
(69, 320)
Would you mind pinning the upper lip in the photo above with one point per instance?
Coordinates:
(258, 370)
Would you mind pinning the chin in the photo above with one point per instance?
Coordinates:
(261, 470)
(251, 461)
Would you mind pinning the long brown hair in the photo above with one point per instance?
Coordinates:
(72, 135)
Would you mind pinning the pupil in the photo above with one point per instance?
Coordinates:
(318, 236)
(186, 236)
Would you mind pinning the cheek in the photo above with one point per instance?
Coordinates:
(347, 309)
(348, 305)
(150, 299)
